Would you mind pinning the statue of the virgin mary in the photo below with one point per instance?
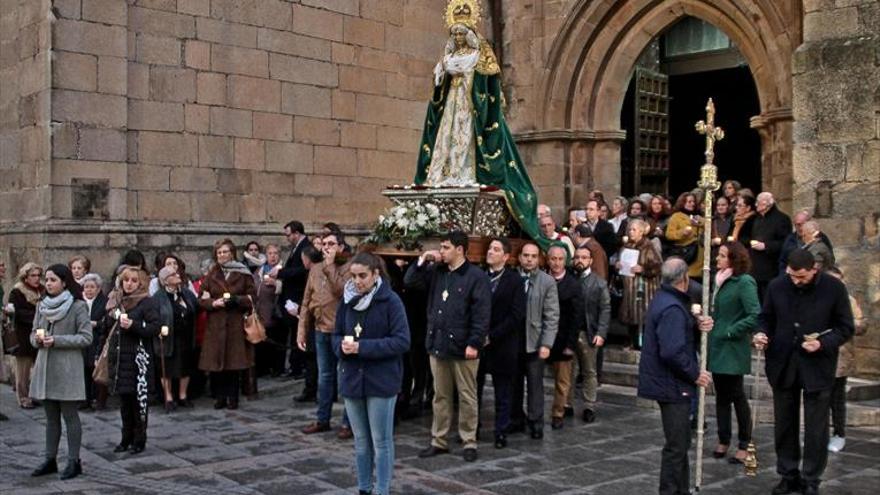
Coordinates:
(466, 141)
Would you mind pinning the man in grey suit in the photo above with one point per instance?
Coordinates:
(597, 317)
(542, 321)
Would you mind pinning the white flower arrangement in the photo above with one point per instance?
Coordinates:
(406, 223)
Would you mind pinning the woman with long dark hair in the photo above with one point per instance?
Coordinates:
(132, 322)
(226, 293)
(61, 331)
(735, 311)
(370, 339)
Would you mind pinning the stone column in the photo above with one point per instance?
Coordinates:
(836, 136)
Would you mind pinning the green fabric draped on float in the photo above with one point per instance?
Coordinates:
(497, 160)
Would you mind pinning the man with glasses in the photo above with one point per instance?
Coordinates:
(805, 318)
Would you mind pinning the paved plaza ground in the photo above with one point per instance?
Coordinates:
(258, 449)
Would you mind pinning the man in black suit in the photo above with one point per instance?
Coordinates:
(293, 278)
(805, 318)
(506, 325)
(769, 230)
(603, 231)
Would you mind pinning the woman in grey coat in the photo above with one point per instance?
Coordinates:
(62, 329)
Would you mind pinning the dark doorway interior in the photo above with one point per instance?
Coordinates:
(738, 155)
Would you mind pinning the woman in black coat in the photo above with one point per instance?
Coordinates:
(132, 322)
(96, 393)
(24, 297)
(174, 347)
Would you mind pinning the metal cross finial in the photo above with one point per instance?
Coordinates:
(712, 133)
(709, 173)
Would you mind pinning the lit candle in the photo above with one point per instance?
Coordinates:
(227, 296)
(696, 309)
(267, 278)
(349, 339)
(41, 333)
(717, 240)
(730, 238)
(625, 239)
(753, 243)
(164, 331)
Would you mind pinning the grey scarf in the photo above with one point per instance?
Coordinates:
(352, 293)
(234, 266)
(56, 308)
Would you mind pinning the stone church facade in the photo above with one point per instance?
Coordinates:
(167, 124)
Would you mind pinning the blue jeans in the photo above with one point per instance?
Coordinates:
(326, 377)
(372, 422)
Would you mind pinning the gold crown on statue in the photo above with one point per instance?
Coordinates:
(466, 12)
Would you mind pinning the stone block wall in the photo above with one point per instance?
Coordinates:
(836, 136)
(174, 122)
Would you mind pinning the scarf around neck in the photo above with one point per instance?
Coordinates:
(56, 308)
(234, 267)
(126, 302)
(363, 301)
(739, 220)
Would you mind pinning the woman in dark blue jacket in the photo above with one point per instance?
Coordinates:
(370, 339)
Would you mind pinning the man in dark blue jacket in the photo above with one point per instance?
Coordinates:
(501, 355)
(669, 371)
(805, 318)
(459, 306)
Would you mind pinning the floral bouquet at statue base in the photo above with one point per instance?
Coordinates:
(404, 224)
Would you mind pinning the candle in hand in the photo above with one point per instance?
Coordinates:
(730, 238)
(349, 339)
(123, 316)
(164, 331)
(41, 333)
(227, 295)
(696, 309)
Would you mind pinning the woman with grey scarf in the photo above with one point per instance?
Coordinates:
(226, 294)
(62, 329)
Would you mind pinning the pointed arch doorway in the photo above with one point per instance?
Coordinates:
(590, 64)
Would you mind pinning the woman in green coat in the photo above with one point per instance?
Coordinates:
(735, 310)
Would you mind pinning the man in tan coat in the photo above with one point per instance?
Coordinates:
(323, 292)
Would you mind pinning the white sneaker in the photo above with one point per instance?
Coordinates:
(836, 443)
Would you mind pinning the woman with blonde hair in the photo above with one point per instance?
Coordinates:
(639, 289)
(24, 297)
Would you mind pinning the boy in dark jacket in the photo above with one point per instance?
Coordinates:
(669, 371)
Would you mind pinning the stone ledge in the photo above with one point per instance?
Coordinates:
(123, 227)
(570, 135)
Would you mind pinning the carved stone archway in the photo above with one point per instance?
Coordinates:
(591, 61)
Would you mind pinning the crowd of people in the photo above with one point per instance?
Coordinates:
(396, 338)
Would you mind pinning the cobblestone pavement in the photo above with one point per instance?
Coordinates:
(258, 449)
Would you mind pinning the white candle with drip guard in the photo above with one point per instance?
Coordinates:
(349, 339)
(164, 331)
(41, 333)
(696, 309)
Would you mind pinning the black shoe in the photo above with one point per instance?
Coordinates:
(811, 489)
(122, 447)
(220, 404)
(432, 451)
(233, 404)
(47, 467)
(589, 416)
(569, 412)
(787, 485)
(469, 455)
(364, 492)
(304, 397)
(185, 403)
(500, 441)
(137, 449)
(556, 423)
(537, 433)
(72, 470)
(170, 405)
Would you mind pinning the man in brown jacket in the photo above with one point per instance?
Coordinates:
(323, 292)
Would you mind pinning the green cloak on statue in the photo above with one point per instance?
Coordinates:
(466, 140)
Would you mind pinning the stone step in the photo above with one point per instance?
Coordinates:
(621, 368)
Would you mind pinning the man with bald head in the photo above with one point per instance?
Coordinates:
(793, 241)
(769, 230)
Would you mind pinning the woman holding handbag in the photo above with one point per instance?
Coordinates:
(370, 338)
(133, 320)
(226, 293)
(61, 331)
